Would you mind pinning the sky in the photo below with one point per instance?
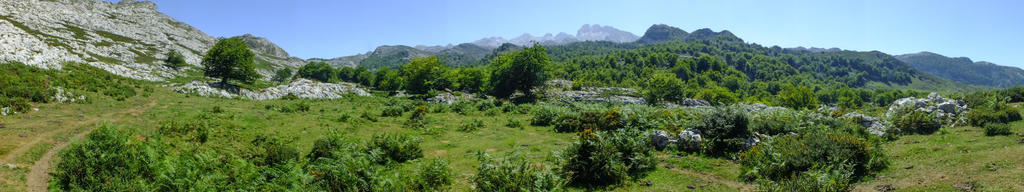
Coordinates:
(983, 30)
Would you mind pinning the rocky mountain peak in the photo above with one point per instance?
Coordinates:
(264, 46)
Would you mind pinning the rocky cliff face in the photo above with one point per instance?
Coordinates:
(128, 38)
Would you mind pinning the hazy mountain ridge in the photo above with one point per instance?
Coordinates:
(964, 70)
(587, 32)
(662, 33)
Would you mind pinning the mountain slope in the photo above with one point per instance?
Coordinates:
(962, 69)
(270, 57)
(662, 33)
(127, 38)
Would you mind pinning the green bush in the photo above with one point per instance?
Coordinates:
(273, 151)
(776, 122)
(993, 129)
(812, 153)
(396, 147)
(514, 123)
(111, 159)
(992, 112)
(392, 111)
(909, 120)
(16, 104)
(345, 171)
(434, 175)
(724, 131)
(369, 116)
(418, 118)
(592, 119)
(816, 179)
(471, 125)
(198, 128)
(606, 158)
(514, 173)
(462, 106)
(544, 115)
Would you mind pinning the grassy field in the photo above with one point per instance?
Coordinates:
(955, 157)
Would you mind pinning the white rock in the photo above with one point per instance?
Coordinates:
(690, 139)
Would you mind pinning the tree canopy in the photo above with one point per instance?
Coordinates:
(519, 71)
(230, 59)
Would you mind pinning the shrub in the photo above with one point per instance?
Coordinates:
(776, 122)
(544, 115)
(514, 173)
(418, 118)
(274, 151)
(111, 159)
(514, 123)
(492, 112)
(487, 104)
(813, 153)
(369, 116)
(472, 125)
(993, 129)
(434, 175)
(994, 111)
(200, 129)
(392, 111)
(396, 147)
(16, 104)
(592, 119)
(175, 60)
(816, 179)
(725, 131)
(909, 120)
(597, 159)
(351, 171)
(462, 106)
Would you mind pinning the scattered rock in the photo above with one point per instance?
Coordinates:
(302, 88)
(3, 125)
(11, 166)
(646, 183)
(691, 186)
(690, 140)
(945, 110)
(22, 135)
(445, 98)
(670, 166)
(885, 188)
(874, 125)
(694, 103)
(908, 167)
(760, 107)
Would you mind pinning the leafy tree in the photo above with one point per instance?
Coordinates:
(797, 97)
(230, 59)
(663, 87)
(716, 94)
(470, 79)
(518, 71)
(423, 75)
(317, 70)
(388, 79)
(175, 60)
(283, 75)
(848, 98)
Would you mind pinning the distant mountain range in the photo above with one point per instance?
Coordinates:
(131, 38)
(962, 69)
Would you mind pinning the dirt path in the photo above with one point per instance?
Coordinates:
(39, 174)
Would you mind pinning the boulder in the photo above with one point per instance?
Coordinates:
(690, 140)
(302, 88)
(874, 125)
(660, 139)
(935, 98)
(694, 103)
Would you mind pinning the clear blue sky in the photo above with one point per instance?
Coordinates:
(980, 29)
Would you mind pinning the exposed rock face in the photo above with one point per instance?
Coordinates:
(756, 107)
(604, 33)
(593, 95)
(946, 110)
(585, 33)
(874, 125)
(302, 88)
(128, 38)
(694, 103)
(448, 98)
(690, 140)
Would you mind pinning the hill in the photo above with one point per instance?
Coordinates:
(962, 69)
(129, 38)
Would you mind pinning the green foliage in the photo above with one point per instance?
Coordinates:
(300, 106)
(423, 75)
(395, 147)
(434, 175)
(470, 79)
(514, 123)
(21, 84)
(777, 122)
(283, 75)
(589, 119)
(994, 129)
(724, 130)
(418, 118)
(273, 151)
(716, 94)
(112, 159)
(909, 120)
(514, 173)
(230, 59)
(388, 79)
(319, 71)
(518, 71)
(797, 97)
(663, 87)
(818, 160)
(607, 158)
(545, 115)
(471, 125)
(175, 60)
(995, 110)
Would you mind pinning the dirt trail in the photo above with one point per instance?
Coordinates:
(39, 174)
